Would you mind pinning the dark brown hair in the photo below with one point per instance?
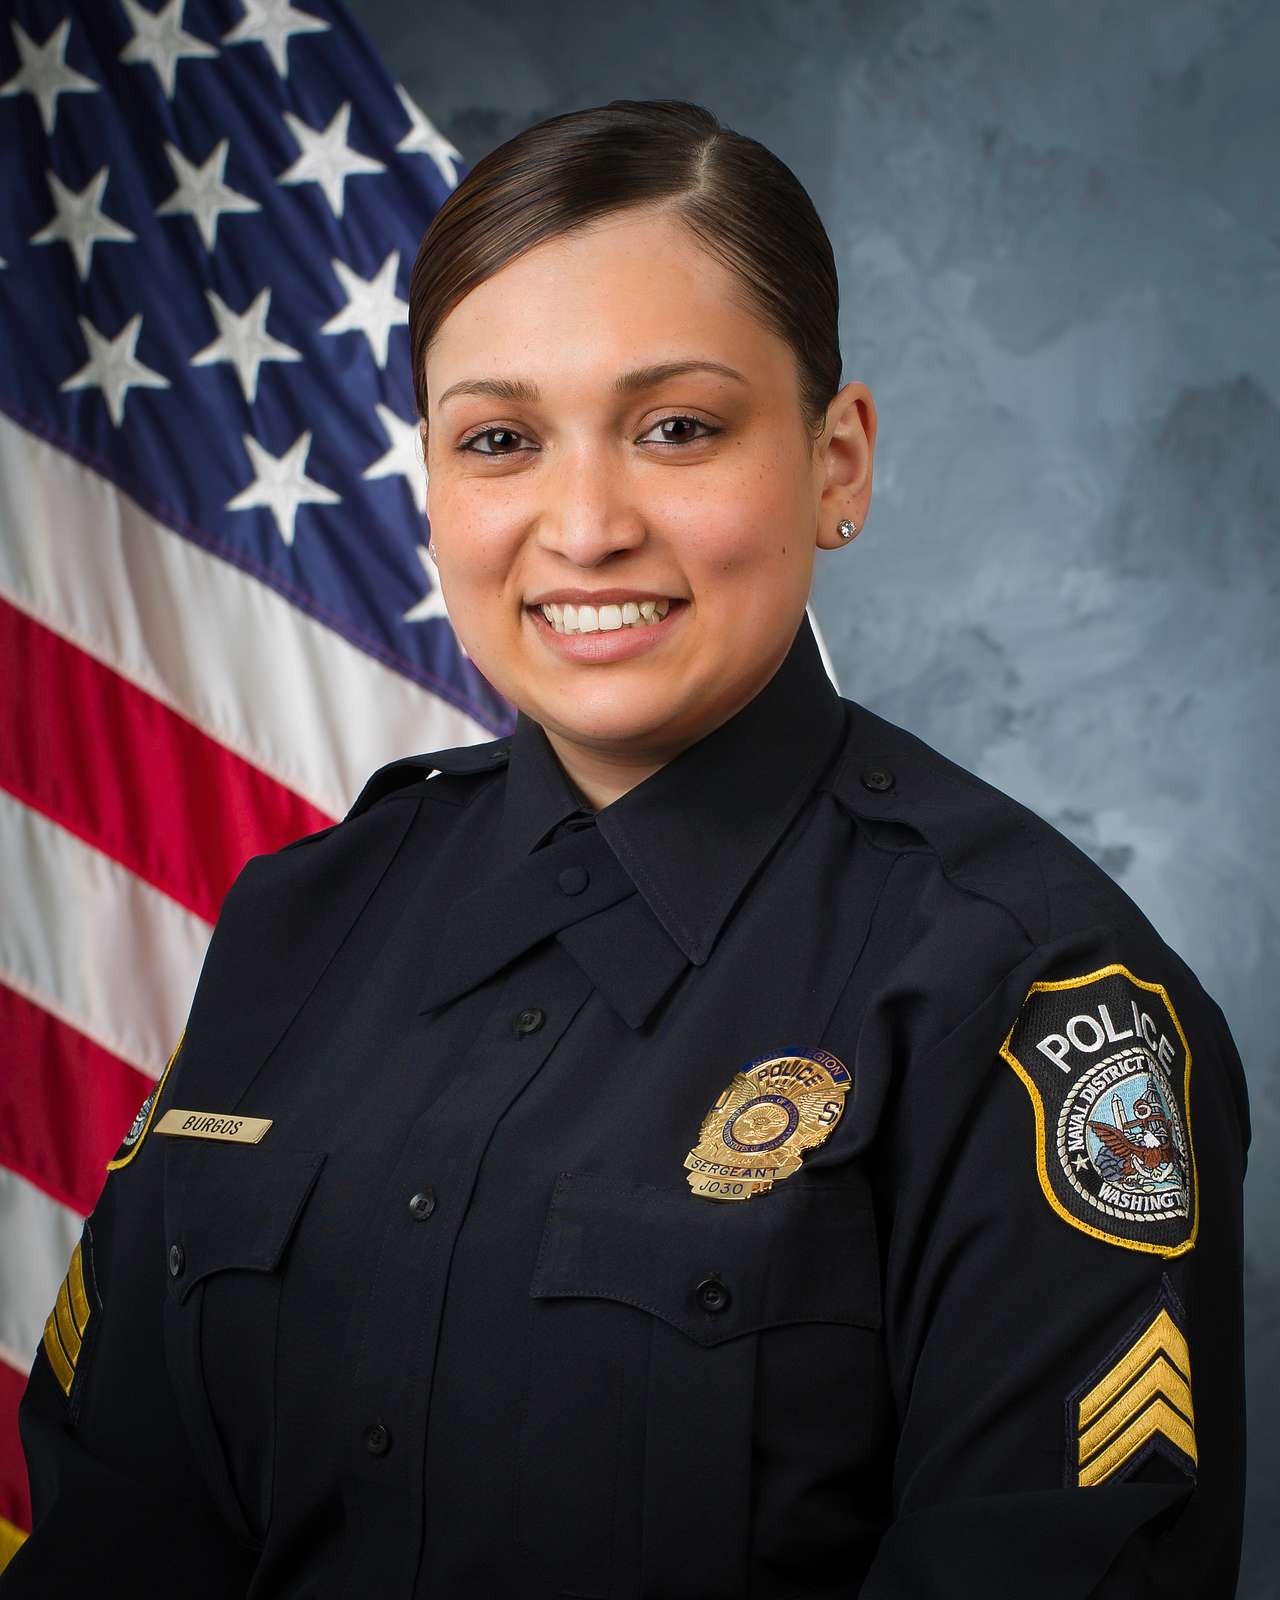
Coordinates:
(743, 204)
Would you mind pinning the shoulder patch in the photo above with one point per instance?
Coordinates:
(132, 1142)
(1136, 1401)
(1107, 1065)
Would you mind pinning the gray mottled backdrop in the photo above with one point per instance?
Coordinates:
(1057, 224)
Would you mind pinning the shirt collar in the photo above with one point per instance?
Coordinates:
(692, 835)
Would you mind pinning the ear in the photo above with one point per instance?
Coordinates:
(843, 460)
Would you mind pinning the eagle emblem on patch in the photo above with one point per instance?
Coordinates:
(759, 1128)
(1107, 1065)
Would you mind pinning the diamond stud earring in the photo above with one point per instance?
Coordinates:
(847, 529)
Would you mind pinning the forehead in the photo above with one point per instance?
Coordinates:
(635, 287)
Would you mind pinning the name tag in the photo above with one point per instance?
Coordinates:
(209, 1125)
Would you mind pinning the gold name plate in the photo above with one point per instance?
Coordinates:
(212, 1125)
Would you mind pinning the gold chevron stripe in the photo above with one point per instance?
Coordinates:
(79, 1298)
(1146, 1392)
(12, 1538)
(1163, 1337)
(67, 1334)
(1157, 1418)
(63, 1371)
(64, 1330)
(1159, 1379)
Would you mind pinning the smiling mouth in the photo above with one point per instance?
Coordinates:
(606, 618)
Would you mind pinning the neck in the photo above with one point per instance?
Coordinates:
(603, 776)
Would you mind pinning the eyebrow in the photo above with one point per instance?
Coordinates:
(629, 382)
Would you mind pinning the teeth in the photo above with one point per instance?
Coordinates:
(605, 619)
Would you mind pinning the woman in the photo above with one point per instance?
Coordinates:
(706, 1144)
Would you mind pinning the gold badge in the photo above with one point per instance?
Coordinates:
(772, 1112)
(210, 1125)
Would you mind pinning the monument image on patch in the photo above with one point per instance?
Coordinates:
(1121, 1143)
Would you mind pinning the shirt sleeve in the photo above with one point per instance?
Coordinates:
(1060, 1193)
(119, 1505)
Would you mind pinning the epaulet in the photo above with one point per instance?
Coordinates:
(914, 797)
(408, 770)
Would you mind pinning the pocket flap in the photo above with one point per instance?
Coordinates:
(802, 1253)
(231, 1206)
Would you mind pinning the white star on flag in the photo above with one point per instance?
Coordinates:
(432, 606)
(281, 484)
(327, 158)
(159, 40)
(403, 458)
(113, 367)
(44, 72)
(373, 307)
(81, 222)
(243, 341)
(423, 136)
(272, 23)
(201, 193)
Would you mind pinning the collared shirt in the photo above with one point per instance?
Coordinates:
(790, 1180)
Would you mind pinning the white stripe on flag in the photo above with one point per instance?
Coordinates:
(41, 1234)
(87, 940)
(221, 648)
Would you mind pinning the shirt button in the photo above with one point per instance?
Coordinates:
(713, 1295)
(422, 1205)
(177, 1260)
(529, 1020)
(377, 1439)
(877, 779)
(573, 880)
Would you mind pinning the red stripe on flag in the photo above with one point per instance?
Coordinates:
(15, 1497)
(128, 775)
(65, 1104)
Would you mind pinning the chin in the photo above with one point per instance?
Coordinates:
(610, 725)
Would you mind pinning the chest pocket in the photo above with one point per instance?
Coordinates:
(230, 1213)
(651, 1311)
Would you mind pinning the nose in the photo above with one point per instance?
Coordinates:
(588, 516)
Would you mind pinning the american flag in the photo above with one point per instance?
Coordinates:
(216, 612)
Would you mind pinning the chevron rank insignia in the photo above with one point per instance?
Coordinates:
(1108, 1067)
(1136, 1402)
(73, 1318)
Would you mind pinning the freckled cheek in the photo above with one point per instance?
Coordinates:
(740, 518)
(479, 546)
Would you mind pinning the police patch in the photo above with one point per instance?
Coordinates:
(132, 1141)
(1107, 1066)
(756, 1132)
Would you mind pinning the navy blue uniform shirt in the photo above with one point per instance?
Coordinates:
(462, 1322)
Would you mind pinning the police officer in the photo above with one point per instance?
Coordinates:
(706, 1144)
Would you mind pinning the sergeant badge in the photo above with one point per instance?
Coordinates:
(1107, 1066)
(756, 1132)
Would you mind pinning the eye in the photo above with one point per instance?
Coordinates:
(689, 438)
(490, 433)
